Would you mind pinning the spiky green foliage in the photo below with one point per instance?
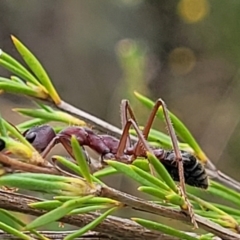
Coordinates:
(74, 189)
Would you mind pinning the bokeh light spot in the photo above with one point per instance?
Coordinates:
(192, 11)
(181, 60)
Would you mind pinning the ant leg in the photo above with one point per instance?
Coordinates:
(148, 125)
(123, 141)
(144, 143)
(126, 109)
(59, 139)
(67, 145)
(50, 146)
(178, 159)
(172, 135)
(177, 152)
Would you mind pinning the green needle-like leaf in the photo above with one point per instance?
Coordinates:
(154, 192)
(127, 170)
(172, 198)
(3, 130)
(65, 198)
(14, 131)
(224, 192)
(105, 172)
(164, 229)
(158, 183)
(161, 170)
(14, 231)
(17, 80)
(93, 201)
(156, 136)
(15, 87)
(47, 177)
(225, 223)
(20, 223)
(70, 165)
(102, 200)
(15, 67)
(232, 222)
(45, 107)
(37, 185)
(52, 178)
(57, 213)
(142, 164)
(208, 236)
(75, 168)
(23, 152)
(37, 69)
(176, 199)
(46, 205)
(88, 209)
(231, 211)
(163, 140)
(57, 116)
(8, 218)
(31, 123)
(81, 160)
(90, 226)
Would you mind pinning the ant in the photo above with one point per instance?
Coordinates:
(43, 138)
(181, 165)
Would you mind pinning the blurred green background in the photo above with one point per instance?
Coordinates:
(98, 52)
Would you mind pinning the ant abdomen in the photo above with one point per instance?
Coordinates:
(194, 172)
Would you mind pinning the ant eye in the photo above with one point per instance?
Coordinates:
(31, 136)
(2, 144)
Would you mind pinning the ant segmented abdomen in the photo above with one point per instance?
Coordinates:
(194, 172)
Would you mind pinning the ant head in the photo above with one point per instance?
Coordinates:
(30, 136)
(40, 136)
(2, 144)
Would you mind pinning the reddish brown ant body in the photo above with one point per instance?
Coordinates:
(181, 165)
(43, 138)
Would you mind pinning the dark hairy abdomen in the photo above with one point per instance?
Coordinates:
(194, 172)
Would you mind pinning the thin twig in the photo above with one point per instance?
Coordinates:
(126, 199)
(59, 235)
(26, 167)
(142, 205)
(112, 226)
(224, 179)
(99, 124)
